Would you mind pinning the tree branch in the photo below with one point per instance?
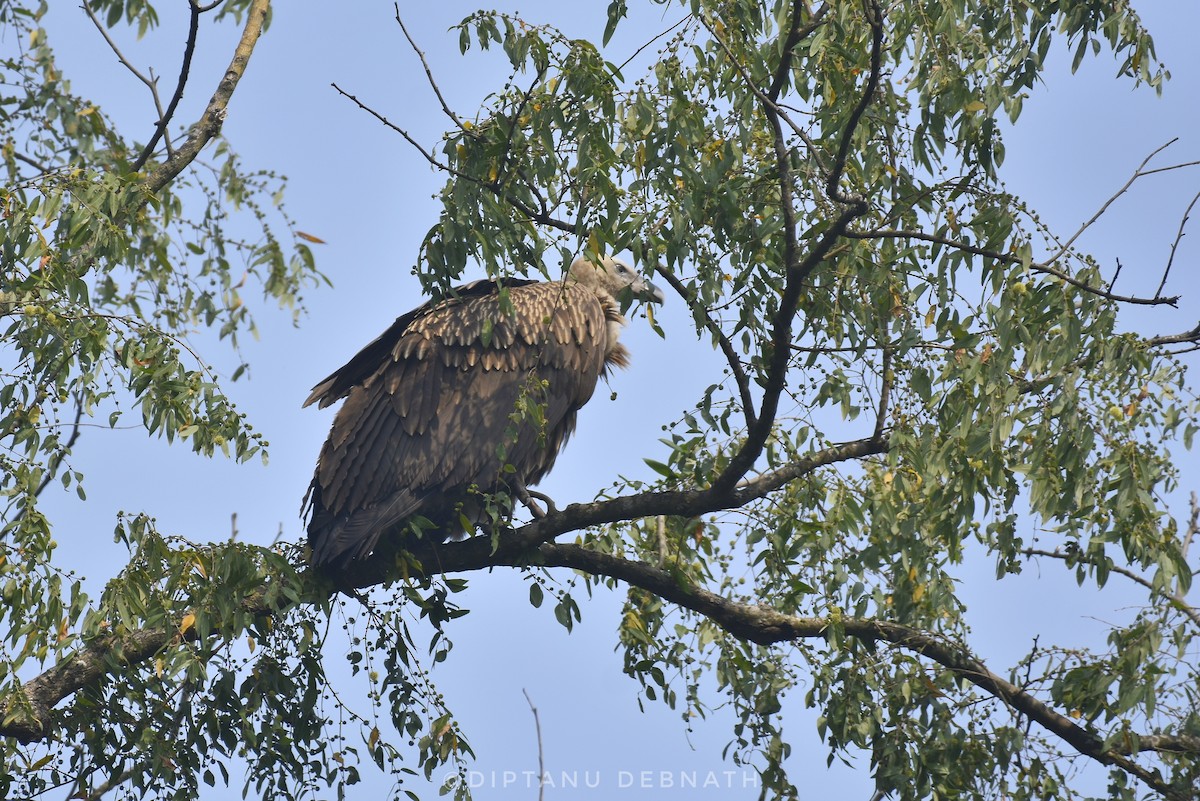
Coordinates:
(1007, 258)
(799, 270)
(209, 125)
(727, 349)
(150, 83)
(1079, 557)
(164, 119)
(765, 626)
(796, 34)
(1175, 245)
(495, 187)
(27, 716)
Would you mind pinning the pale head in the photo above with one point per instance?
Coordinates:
(614, 277)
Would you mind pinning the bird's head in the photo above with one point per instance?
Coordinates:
(616, 278)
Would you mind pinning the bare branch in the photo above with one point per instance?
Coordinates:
(150, 82)
(684, 20)
(1175, 245)
(428, 73)
(1175, 599)
(496, 187)
(537, 722)
(727, 349)
(1007, 258)
(165, 119)
(1136, 174)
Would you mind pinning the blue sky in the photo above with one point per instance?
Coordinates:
(367, 194)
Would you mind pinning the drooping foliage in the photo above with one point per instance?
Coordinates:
(918, 377)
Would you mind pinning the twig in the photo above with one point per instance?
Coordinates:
(164, 119)
(1175, 245)
(428, 73)
(537, 722)
(150, 83)
(37, 165)
(653, 39)
(1176, 600)
(534, 215)
(1007, 258)
(723, 342)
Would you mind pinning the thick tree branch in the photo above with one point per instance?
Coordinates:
(27, 717)
(209, 125)
(765, 626)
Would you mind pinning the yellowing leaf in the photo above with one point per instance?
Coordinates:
(977, 105)
(310, 238)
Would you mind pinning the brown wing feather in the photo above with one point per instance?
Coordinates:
(431, 406)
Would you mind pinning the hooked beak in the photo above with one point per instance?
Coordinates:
(646, 291)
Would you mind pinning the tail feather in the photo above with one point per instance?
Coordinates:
(337, 540)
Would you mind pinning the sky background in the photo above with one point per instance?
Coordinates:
(368, 194)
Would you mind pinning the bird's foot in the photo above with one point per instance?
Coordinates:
(526, 496)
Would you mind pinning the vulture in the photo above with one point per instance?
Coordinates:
(459, 398)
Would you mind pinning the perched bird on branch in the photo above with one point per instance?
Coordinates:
(460, 399)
